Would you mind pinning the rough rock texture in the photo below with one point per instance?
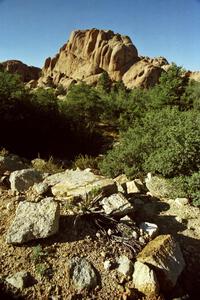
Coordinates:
(125, 265)
(194, 75)
(27, 73)
(165, 256)
(89, 53)
(34, 221)
(19, 280)
(10, 163)
(72, 184)
(145, 280)
(149, 228)
(117, 204)
(82, 273)
(21, 180)
(142, 74)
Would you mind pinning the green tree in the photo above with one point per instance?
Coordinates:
(171, 87)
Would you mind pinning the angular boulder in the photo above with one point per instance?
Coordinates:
(79, 184)
(19, 280)
(117, 205)
(21, 180)
(145, 280)
(164, 255)
(34, 221)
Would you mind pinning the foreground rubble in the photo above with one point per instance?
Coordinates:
(85, 235)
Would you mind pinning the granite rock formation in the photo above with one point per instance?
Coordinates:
(89, 53)
(27, 73)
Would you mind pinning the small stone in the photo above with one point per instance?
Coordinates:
(150, 229)
(19, 280)
(82, 273)
(98, 235)
(40, 188)
(10, 206)
(109, 232)
(107, 264)
(103, 254)
(135, 235)
(141, 240)
(179, 219)
(127, 220)
(181, 201)
(125, 265)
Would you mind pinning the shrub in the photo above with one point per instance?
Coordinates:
(86, 161)
(194, 188)
(165, 142)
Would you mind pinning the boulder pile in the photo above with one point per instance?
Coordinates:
(112, 204)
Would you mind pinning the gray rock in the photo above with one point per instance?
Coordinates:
(78, 183)
(149, 228)
(165, 256)
(40, 188)
(10, 163)
(82, 273)
(116, 204)
(145, 280)
(125, 266)
(34, 221)
(21, 180)
(20, 280)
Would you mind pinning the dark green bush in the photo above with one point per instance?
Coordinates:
(165, 142)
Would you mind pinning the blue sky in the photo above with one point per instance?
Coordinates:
(32, 30)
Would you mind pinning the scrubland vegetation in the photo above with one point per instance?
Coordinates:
(157, 130)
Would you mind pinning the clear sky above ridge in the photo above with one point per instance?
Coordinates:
(32, 30)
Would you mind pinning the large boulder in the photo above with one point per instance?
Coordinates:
(87, 54)
(164, 255)
(142, 74)
(27, 73)
(34, 221)
(21, 180)
(79, 184)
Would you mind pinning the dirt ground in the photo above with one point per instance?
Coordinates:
(48, 265)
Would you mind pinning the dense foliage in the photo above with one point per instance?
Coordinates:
(158, 129)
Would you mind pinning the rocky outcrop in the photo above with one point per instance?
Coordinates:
(27, 73)
(194, 76)
(142, 74)
(89, 53)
